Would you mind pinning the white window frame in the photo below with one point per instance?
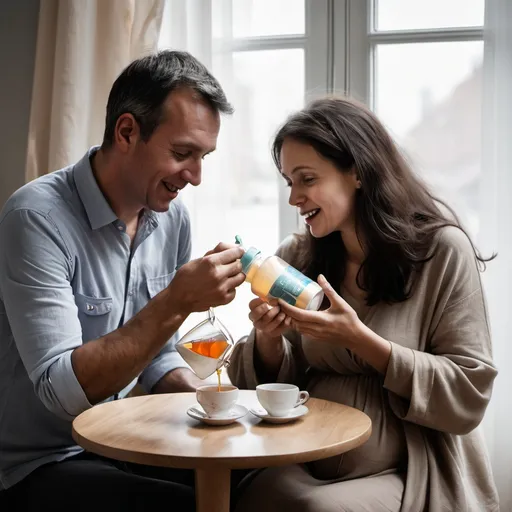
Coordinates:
(339, 42)
(317, 43)
(356, 40)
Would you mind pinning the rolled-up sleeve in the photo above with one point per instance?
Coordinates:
(35, 287)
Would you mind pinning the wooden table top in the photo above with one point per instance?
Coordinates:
(156, 430)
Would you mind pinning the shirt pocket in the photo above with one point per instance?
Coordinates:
(93, 306)
(94, 315)
(156, 284)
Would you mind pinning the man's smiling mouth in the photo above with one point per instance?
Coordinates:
(171, 188)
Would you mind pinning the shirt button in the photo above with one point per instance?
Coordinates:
(90, 307)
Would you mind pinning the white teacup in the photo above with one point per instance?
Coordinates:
(217, 404)
(280, 399)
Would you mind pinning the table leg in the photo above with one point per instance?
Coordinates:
(213, 489)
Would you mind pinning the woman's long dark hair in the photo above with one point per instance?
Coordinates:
(395, 212)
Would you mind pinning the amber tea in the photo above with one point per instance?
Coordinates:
(213, 348)
(209, 348)
(206, 347)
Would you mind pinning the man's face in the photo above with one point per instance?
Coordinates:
(156, 170)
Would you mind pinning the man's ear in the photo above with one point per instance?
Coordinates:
(127, 132)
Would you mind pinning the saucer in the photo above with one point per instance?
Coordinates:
(237, 412)
(294, 414)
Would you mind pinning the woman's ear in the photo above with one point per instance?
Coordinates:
(355, 177)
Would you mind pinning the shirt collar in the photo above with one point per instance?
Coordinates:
(95, 203)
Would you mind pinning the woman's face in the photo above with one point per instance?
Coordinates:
(324, 195)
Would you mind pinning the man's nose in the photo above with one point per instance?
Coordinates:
(192, 175)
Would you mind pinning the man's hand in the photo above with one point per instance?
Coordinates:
(208, 281)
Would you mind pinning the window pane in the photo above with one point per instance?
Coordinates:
(425, 14)
(268, 17)
(239, 192)
(429, 96)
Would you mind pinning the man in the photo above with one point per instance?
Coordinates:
(95, 278)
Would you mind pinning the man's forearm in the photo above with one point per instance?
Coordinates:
(106, 365)
(178, 380)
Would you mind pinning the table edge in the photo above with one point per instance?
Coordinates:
(184, 462)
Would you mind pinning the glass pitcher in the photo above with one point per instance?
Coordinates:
(206, 347)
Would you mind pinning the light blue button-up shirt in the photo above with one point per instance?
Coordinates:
(68, 276)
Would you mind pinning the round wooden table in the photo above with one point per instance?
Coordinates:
(155, 430)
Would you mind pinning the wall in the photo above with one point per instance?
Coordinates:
(18, 32)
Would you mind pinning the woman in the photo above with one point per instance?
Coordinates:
(403, 334)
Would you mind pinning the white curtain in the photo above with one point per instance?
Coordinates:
(82, 45)
(497, 235)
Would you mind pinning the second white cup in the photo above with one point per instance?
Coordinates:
(280, 399)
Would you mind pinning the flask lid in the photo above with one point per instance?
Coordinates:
(247, 259)
(249, 255)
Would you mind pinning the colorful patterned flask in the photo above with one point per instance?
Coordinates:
(272, 278)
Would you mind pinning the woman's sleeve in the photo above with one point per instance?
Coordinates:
(448, 386)
(246, 371)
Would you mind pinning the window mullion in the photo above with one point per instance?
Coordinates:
(264, 43)
(427, 36)
(352, 48)
(317, 48)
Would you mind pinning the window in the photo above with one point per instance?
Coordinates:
(266, 54)
(416, 63)
(419, 67)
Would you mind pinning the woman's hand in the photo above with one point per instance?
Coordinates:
(338, 323)
(268, 319)
(270, 323)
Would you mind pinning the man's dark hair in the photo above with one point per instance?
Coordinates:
(143, 86)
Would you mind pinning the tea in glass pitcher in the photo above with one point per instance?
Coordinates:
(206, 348)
